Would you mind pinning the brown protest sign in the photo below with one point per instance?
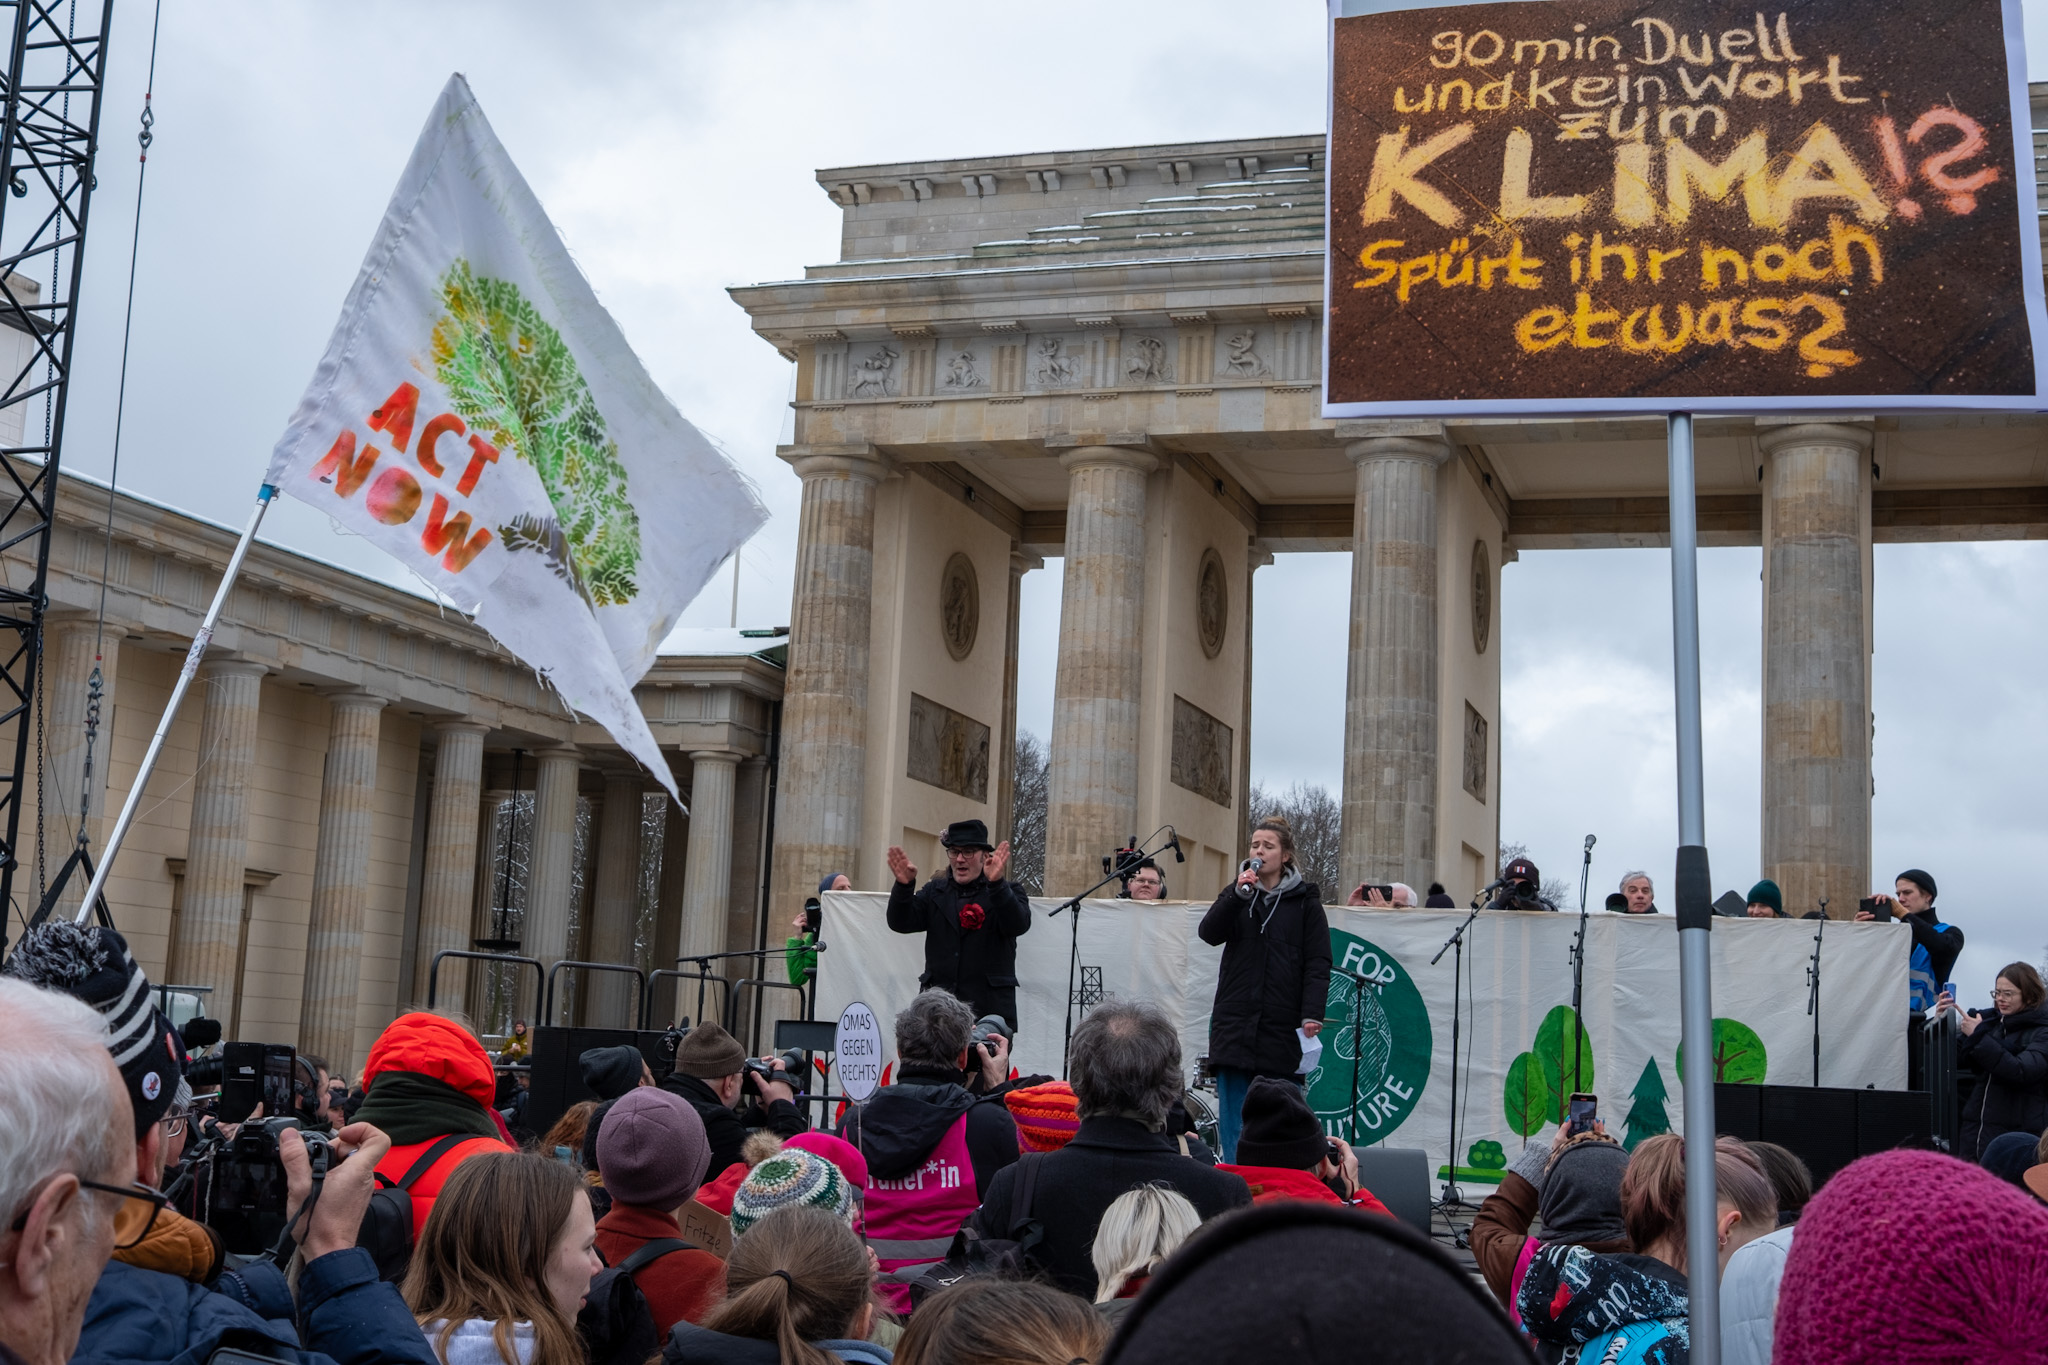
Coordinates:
(1679, 204)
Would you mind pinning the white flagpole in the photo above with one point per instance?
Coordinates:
(163, 726)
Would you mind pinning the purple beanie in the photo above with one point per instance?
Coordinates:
(1915, 1257)
(651, 1150)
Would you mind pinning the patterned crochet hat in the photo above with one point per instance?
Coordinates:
(92, 963)
(792, 1178)
(1047, 1116)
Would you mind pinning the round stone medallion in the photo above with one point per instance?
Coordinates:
(959, 606)
(1212, 603)
(1482, 597)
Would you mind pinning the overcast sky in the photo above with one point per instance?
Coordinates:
(673, 144)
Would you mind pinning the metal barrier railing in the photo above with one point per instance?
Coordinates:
(434, 971)
(547, 999)
(703, 976)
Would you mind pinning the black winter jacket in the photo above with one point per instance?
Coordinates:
(722, 1126)
(1275, 973)
(2009, 1054)
(978, 965)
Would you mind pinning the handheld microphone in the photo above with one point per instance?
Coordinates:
(1255, 863)
(1590, 841)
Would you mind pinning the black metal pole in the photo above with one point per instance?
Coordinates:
(1357, 1045)
(1455, 944)
(1579, 970)
(1813, 990)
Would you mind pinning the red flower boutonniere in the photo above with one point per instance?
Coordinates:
(972, 916)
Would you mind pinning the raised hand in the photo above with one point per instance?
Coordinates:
(901, 867)
(992, 866)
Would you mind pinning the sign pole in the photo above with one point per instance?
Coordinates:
(1695, 911)
(163, 726)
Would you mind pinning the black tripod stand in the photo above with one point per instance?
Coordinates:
(1455, 944)
(1579, 970)
(1357, 1046)
(1123, 863)
(1813, 986)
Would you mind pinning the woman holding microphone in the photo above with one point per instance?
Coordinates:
(1275, 976)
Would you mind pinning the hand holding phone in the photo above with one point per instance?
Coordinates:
(1581, 1114)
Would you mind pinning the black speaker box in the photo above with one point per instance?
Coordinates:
(1827, 1128)
(557, 1076)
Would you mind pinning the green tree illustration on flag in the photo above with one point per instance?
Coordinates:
(1739, 1056)
(1540, 1081)
(512, 378)
(1646, 1115)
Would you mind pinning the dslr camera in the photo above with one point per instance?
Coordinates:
(246, 1194)
(791, 1069)
(987, 1027)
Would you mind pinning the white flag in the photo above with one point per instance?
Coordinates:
(479, 415)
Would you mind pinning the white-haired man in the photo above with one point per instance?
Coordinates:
(67, 1155)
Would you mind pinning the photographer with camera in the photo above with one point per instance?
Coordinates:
(970, 917)
(800, 949)
(1521, 888)
(1283, 1154)
(712, 1071)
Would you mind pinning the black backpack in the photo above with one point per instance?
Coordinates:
(972, 1254)
(387, 1224)
(616, 1322)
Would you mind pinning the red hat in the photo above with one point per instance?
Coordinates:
(439, 1049)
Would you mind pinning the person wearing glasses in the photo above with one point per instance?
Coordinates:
(2008, 1051)
(135, 1313)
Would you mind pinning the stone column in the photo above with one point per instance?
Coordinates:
(341, 880)
(448, 879)
(1092, 801)
(615, 902)
(1006, 755)
(825, 692)
(668, 915)
(1390, 703)
(69, 659)
(1816, 798)
(551, 870)
(210, 920)
(707, 877)
(749, 814)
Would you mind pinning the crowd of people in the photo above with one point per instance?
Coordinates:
(963, 1215)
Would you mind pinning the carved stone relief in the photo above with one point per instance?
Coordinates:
(959, 606)
(1212, 603)
(1201, 752)
(1146, 363)
(947, 749)
(875, 376)
(1053, 366)
(1482, 597)
(1475, 753)
(1241, 359)
(963, 372)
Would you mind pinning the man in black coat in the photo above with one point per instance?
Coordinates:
(710, 1072)
(970, 918)
(1125, 1070)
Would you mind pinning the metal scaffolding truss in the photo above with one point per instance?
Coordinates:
(50, 87)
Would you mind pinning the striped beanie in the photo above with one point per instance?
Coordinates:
(1047, 1116)
(792, 1178)
(93, 963)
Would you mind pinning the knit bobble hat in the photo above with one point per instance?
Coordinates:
(1977, 1248)
(654, 1151)
(1280, 1130)
(92, 963)
(1047, 1116)
(791, 1178)
(1766, 892)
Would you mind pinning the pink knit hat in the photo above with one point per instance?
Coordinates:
(1914, 1258)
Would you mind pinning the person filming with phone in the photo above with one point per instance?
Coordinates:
(2007, 1051)
(1935, 945)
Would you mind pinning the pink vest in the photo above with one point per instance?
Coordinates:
(911, 1222)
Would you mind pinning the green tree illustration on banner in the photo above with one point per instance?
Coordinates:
(1540, 1081)
(1646, 1113)
(512, 376)
(1739, 1056)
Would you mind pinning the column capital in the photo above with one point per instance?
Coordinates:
(78, 618)
(228, 666)
(1421, 447)
(1374, 428)
(1256, 559)
(1107, 457)
(716, 756)
(1023, 562)
(462, 725)
(559, 752)
(857, 460)
(1774, 434)
(354, 698)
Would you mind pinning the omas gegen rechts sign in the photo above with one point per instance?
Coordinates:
(1680, 204)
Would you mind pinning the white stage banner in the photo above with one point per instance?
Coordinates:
(1517, 1035)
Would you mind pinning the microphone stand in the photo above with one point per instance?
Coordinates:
(1124, 866)
(1813, 987)
(1451, 1199)
(1579, 968)
(1357, 1045)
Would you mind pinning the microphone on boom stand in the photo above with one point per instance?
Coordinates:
(1579, 964)
(1173, 842)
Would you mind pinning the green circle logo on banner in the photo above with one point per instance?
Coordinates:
(1384, 1041)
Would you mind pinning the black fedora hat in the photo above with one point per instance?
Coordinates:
(967, 834)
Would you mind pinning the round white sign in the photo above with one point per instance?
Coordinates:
(858, 1048)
